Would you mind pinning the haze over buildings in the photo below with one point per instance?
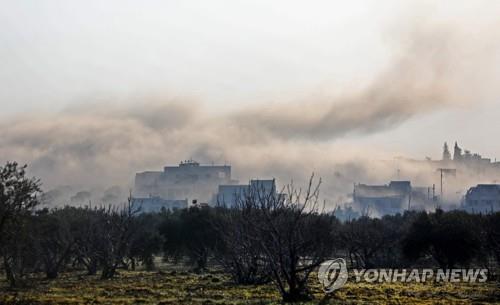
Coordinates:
(190, 180)
(192, 183)
(451, 183)
(94, 92)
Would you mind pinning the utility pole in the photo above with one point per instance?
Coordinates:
(443, 171)
(441, 192)
(434, 196)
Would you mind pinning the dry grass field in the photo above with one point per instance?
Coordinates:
(181, 287)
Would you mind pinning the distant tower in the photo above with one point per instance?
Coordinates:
(457, 153)
(446, 152)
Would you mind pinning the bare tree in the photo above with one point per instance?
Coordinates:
(237, 250)
(492, 235)
(87, 238)
(54, 239)
(117, 228)
(147, 241)
(291, 232)
(18, 198)
(188, 233)
(364, 240)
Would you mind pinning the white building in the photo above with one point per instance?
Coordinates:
(229, 195)
(392, 198)
(484, 198)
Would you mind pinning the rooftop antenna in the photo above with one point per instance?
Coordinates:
(398, 171)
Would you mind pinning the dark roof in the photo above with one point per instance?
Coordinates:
(394, 189)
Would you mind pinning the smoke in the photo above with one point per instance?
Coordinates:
(103, 144)
(416, 83)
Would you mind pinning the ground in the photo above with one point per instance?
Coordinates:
(181, 287)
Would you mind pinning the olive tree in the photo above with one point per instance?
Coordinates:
(291, 232)
(18, 198)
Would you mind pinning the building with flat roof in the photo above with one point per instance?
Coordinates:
(187, 181)
(229, 195)
(483, 198)
(391, 198)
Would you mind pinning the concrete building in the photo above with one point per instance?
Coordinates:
(188, 181)
(466, 164)
(453, 173)
(229, 195)
(483, 198)
(393, 198)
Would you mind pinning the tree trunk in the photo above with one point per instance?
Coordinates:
(296, 291)
(52, 273)
(201, 263)
(10, 273)
(92, 267)
(296, 295)
(108, 272)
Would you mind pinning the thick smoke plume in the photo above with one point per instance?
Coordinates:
(416, 83)
(100, 145)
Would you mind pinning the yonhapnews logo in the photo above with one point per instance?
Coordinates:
(333, 274)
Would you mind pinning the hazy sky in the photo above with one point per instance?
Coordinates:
(230, 56)
(222, 52)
